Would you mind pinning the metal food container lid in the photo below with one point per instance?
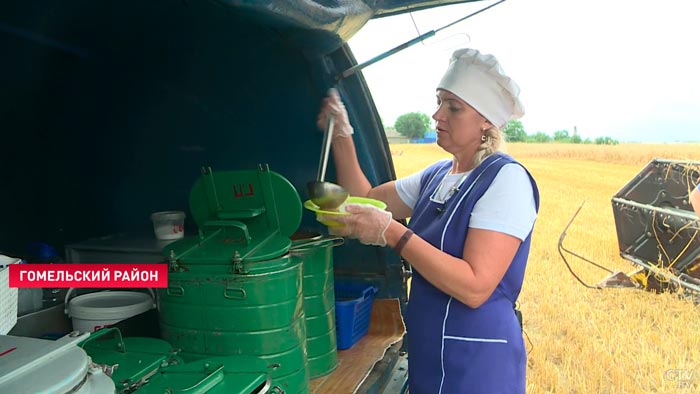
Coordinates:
(43, 366)
(231, 374)
(136, 358)
(242, 215)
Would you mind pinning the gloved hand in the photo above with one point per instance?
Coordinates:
(334, 106)
(367, 223)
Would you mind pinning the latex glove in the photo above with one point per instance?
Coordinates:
(367, 223)
(333, 105)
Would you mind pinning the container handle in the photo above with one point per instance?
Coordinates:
(335, 241)
(153, 297)
(233, 295)
(240, 214)
(276, 390)
(369, 292)
(175, 291)
(121, 347)
(65, 302)
(265, 387)
(232, 224)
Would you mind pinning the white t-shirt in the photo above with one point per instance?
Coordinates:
(507, 206)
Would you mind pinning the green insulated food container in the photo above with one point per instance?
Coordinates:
(216, 375)
(132, 360)
(316, 255)
(235, 289)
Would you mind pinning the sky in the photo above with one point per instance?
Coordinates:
(625, 69)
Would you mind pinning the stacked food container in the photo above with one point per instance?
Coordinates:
(316, 254)
(235, 289)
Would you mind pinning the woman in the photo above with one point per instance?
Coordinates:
(472, 217)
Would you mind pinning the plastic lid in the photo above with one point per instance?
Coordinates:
(167, 215)
(108, 305)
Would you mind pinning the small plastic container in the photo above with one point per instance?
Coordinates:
(169, 225)
(92, 311)
(353, 308)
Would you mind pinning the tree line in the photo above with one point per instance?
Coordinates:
(416, 124)
(515, 132)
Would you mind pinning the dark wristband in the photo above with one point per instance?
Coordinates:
(402, 241)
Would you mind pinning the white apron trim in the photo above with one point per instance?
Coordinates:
(447, 307)
(442, 350)
(467, 339)
(459, 203)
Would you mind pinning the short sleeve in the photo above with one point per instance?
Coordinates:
(508, 205)
(408, 188)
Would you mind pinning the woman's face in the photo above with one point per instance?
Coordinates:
(458, 125)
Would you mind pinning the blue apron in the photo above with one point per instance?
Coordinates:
(453, 348)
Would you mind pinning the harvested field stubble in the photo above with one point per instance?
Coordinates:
(584, 340)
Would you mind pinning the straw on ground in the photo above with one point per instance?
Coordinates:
(583, 340)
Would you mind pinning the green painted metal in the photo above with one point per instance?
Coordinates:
(316, 254)
(321, 344)
(217, 375)
(319, 304)
(242, 216)
(263, 200)
(234, 289)
(294, 381)
(259, 313)
(136, 358)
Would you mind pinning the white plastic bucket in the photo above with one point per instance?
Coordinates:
(169, 225)
(90, 312)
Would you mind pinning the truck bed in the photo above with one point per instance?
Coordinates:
(386, 327)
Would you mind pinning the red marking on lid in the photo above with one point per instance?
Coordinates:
(7, 351)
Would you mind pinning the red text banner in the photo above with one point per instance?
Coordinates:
(89, 275)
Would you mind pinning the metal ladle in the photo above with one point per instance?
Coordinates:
(327, 195)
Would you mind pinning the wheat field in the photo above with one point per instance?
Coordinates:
(584, 340)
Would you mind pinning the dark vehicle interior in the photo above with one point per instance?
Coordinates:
(110, 110)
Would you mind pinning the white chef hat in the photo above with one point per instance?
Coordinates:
(479, 80)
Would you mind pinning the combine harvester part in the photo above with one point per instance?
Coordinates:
(616, 279)
(657, 230)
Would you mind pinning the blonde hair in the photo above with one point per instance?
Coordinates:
(495, 142)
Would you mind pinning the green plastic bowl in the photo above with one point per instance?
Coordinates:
(341, 210)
